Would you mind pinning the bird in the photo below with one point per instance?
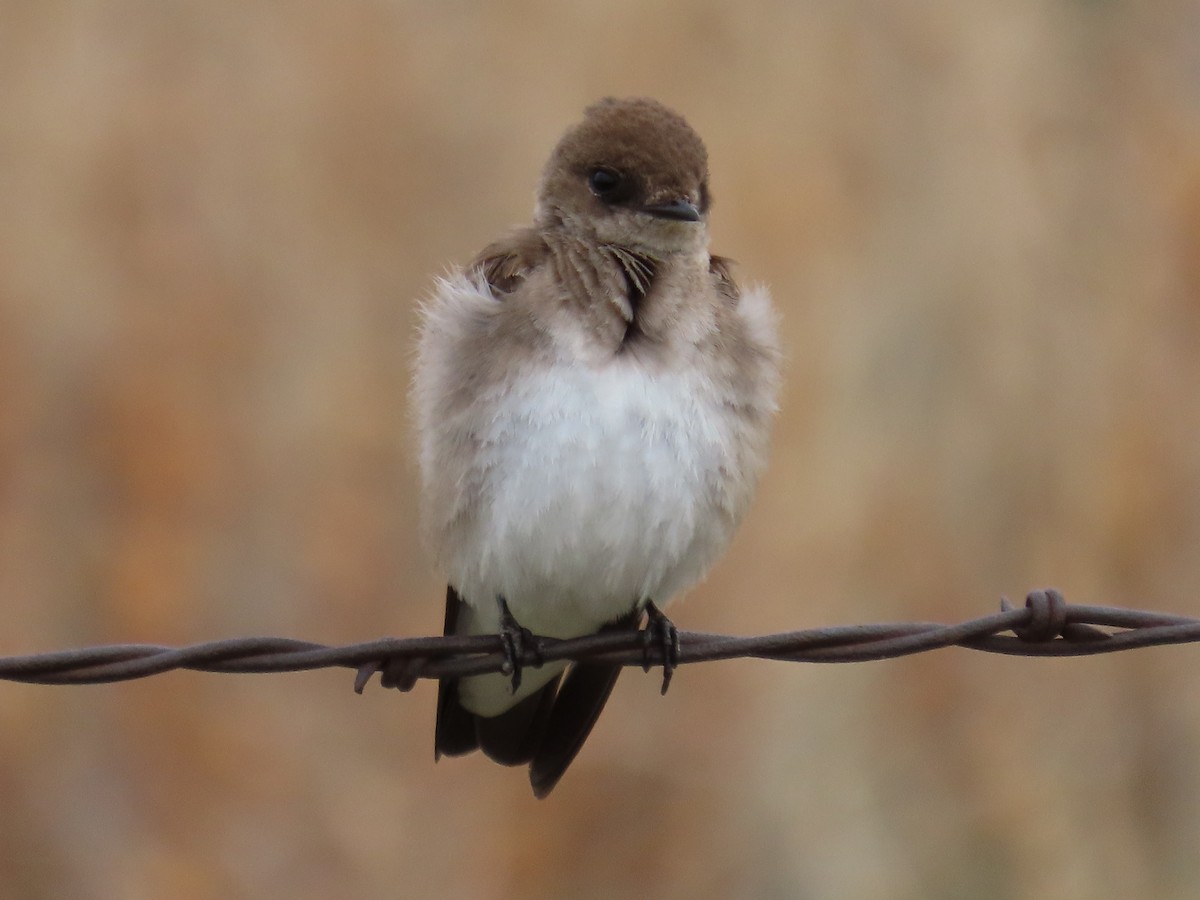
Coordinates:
(593, 396)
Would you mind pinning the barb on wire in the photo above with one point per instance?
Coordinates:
(1046, 626)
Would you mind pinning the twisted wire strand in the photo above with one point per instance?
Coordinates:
(1045, 626)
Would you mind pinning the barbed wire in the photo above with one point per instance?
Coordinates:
(1046, 626)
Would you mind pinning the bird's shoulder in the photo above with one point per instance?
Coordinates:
(504, 264)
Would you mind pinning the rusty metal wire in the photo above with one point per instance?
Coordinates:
(1046, 626)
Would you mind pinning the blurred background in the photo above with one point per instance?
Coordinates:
(981, 225)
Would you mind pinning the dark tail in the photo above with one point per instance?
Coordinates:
(576, 708)
(546, 729)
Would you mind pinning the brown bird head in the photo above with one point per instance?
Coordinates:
(632, 173)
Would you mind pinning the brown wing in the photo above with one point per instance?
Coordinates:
(505, 263)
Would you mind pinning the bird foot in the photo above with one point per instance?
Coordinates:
(518, 642)
(660, 633)
(401, 674)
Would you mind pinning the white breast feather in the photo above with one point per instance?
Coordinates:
(594, 488)
(604, 486)
(603, 493)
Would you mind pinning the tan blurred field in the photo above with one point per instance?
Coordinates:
(981, 223)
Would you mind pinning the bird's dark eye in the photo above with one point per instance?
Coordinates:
(605, 183)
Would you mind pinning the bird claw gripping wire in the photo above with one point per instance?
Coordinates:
(401, 673)
(660, 632)
(518, 642)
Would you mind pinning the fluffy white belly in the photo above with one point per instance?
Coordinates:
(603, 488)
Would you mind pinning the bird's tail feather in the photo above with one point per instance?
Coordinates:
(546, 729)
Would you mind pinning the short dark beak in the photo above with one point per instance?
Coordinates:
(681, 210)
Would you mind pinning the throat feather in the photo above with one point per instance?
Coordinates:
(638, 271)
